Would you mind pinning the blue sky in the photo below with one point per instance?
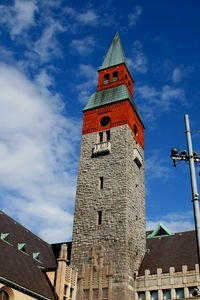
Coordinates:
(49, 53)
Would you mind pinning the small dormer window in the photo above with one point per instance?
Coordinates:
(21, 247)
(106, 78)
(6, 237)
(37, 256)
(160, 231)
(115, 76)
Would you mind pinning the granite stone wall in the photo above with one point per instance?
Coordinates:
(122, 205)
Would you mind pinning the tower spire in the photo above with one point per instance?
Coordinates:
(115, 54)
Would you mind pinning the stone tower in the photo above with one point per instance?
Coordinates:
(109, 222)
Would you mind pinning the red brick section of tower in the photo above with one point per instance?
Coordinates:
(120, 112)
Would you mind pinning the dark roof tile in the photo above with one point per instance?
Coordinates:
(21, 268)
(170, 251)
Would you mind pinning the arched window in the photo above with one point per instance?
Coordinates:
(106, 78)
(4, 295)
(115, 76)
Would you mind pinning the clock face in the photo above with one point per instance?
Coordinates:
(105, 121)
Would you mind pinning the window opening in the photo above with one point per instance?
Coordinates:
(6, 237)
(104, 136)
(126, 76)
(166, 294)
(71, 293)
(21, 247)
(115, 76)
(4, 295)
(129, 83)
(99, 217)
(37, 256)
(105, 121)
(154, 295)
(180, 293)
(192, 291)
(100, 137)
(101, 182)
(106, 78)
(108, 135)
(135, 130)
(65, 289)
(141, 295)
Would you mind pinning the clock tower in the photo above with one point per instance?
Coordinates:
(109, 222)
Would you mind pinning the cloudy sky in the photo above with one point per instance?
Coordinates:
(49, 53)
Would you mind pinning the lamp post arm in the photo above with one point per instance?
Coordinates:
(195, 195)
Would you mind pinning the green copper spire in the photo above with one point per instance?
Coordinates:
(115, 54)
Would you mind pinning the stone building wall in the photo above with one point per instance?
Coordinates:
(172, 285)
(121, 201)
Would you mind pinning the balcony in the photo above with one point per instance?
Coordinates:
(101, 149)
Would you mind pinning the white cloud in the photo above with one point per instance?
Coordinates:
(6, 55)
(134, 17)
(86, 88)
(175, 222)
(161, 100)
(138, 62)
(177, 75)
(84, 46)
(88, 17)
(19, 17)
(37, 155)
(155, 168)
(47, 45)
(44, 80)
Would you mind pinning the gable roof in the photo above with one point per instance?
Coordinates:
(160, 230)
(20, 269)
(115, 54)
(170, 251)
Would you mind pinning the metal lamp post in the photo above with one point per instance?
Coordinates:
(193, 158)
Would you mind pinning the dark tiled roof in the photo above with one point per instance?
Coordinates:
(170, 251)
(20, 268)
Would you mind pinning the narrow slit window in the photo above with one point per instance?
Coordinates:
(99, 217)
(101, 182)
(100, 137)
(108, 135)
